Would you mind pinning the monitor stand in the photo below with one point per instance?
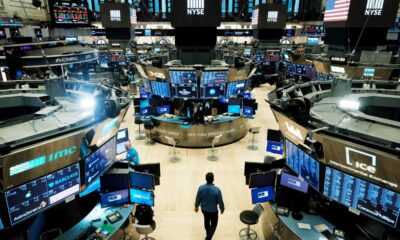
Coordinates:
(296, 215)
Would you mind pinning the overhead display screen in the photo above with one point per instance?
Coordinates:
(302, 164)
(372, 200)
(98, 161)
(183, 91)
(183, 76)
(35, 196)
(213, 91)
(161, 89)
(195, 13)
(270, 16)
(236, 88)
(214, 77)
(69, 13)
(115, 15)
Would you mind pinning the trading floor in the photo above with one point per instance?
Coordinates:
(174, 202)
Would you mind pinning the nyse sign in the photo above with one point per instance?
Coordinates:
(374, 7)
(195, 7)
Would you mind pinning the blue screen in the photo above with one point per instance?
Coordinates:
(235, 109)
(141, 180)
(214, 77)
(312, 41)
(142, 197)
(236, 88)
(374, 201)
(274, 147)
(98, 161)
(224, 100)
(247, 95)
(247, 51)
(35, 196)
(300, 69)
(144, 111)
(302, 164)
(248, 111)
(213, 91)
(161, 89)
(264, 194)
(183, 77)
(114, 198)
(189, 91)
(163, 109)
(144, 104)
(293, 182)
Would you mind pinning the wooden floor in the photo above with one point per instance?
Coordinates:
(174, 203)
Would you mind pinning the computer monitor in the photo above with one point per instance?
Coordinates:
(114, 198)
(213, 91)
(293, 182)
(144, 111)
(263, 194)
(161, 89)
(122, 138)
(224, 100)
(150, 168)
(247, 111)
(340, 70)
(234, 109)
(113, 182)
(142, 197)
(181, 76)
(157, 50)
(163, 109)
(247, 51)
(369, 72)
(236, 88)
(141, 180)
(186, 91)
(214, 76)
(144, 104)
(262, 179)
(312, 41)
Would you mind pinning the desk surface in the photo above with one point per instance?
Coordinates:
(97, 213)
(313, 220)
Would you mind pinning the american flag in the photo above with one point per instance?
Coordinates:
(133, 16)
(336, 10)
(254, 19)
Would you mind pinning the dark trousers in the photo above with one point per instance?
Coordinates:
(210, 223)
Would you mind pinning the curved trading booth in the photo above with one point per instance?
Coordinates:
(193, 104)
(341, 141)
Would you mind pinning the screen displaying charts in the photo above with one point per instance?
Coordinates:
(35, 196)
(372, 200)
(213, 91)
(214, 77)
(98, 161)
(302, 164)
(236, 88)
(67, 12)
(183, 77)
(185, 91)
(161, 89)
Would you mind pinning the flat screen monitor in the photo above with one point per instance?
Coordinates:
(99, 161)
(247, 51)
(114, 182)
(121, 148)
(142, 197)
(141, 180)
(114, 198)
(224, 100)
(69, 13)
(123, 135)
(163, 109)
(234, 109)
(213, 91)
(183, 76)
(236, 88)
(144, 111)
(37, 195)
(303, 164)
(263, 194)
(157, 50)
(144, 104)
(312, 41)
(335, 69)
(372, 200)
(293, 182)
(161, 89)
(189, 91)
(262, 179)
(369, 72)
(300, 69)
(211, 77)
(150, 168)
(248, 111)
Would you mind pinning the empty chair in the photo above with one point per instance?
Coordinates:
(139, 132)
(213, 151)
(173, 142)
(148, 125)
(250, 217)
(253, 131)
(146, 230)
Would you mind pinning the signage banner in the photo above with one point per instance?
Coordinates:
(290, 129)
(29, 62)
(370, 164)
(36, 161)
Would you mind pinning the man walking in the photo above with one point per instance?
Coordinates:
(208, 197)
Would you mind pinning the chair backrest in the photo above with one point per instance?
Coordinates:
(170, 140)
(216, 139)
(258, 209)
(144, 229)
(255, 129)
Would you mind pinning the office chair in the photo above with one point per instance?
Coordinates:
(146, 230)
(250, 217)
(213, 151)
(139, 121)
(253, 131)
(173, 142)
(148, 125)
(51, 234)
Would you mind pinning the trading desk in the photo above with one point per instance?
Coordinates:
(187, 134)
(97, 218)
(286, 228)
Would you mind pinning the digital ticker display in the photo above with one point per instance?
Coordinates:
(183, 77)
(37, 195)
(214, 77)
(302, 164)
(370, 199)
(69, 13)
